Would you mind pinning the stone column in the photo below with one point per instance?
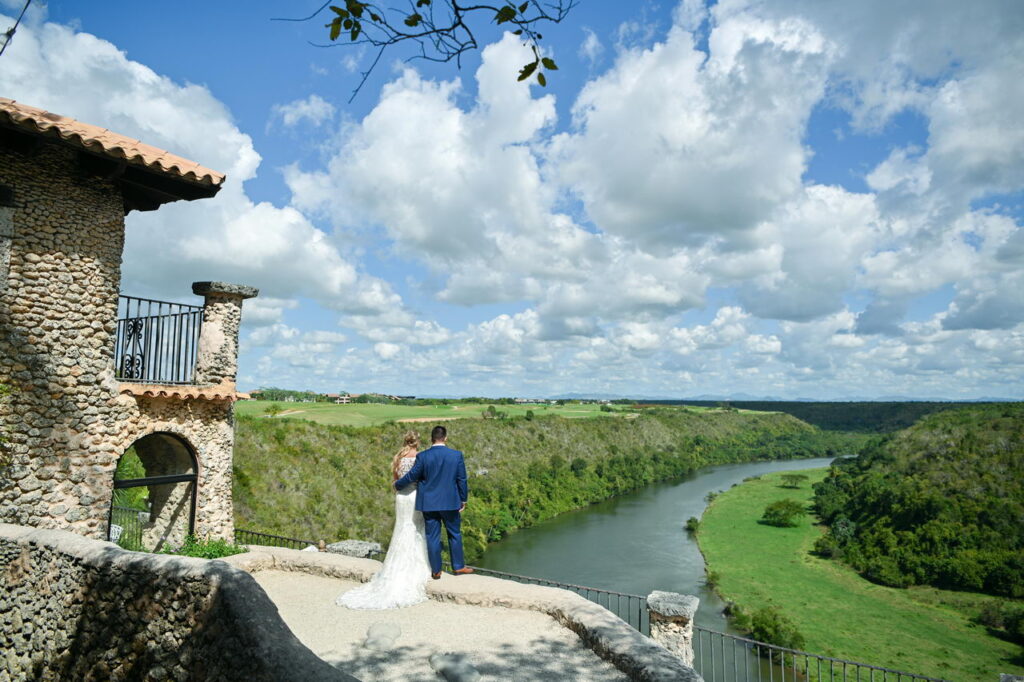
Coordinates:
(672, 622)
(217, 361)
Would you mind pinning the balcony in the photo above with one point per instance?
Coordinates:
(157, 342)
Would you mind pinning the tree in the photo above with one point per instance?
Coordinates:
(273, 409)
(783, 513)
(440, 30)
(793, 480)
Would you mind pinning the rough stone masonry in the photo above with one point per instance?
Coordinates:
(67, 418)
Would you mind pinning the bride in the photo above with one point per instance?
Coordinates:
(402, 579)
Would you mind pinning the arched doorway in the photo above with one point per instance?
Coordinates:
(154, 500)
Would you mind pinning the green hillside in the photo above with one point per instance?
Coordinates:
(316, 481)
(940, 503)
(368, 414)
(862, 417)
(921, 630)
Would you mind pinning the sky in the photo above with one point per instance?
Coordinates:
(800, 199)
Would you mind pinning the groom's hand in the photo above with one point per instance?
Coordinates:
(462, 507)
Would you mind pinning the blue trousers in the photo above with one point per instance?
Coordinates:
(452, 521)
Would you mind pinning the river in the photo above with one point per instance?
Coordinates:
(634, 543)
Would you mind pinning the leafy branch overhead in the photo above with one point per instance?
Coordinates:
(442, 30)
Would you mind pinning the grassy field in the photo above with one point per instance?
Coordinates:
(918, 630)
(369, 414)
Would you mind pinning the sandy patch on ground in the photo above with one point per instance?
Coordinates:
(427, 419)
(502, 644)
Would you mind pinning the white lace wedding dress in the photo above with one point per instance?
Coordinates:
(402, 579)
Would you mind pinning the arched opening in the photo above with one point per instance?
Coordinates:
(154, 501)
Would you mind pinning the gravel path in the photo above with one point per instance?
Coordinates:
(501, 644)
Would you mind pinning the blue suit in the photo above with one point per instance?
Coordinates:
(441, 475)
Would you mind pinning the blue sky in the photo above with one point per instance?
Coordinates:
(790, 198)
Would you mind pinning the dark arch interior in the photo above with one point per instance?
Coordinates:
(154, 493)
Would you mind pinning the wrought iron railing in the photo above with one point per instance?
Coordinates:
(126, 526)
(721, 657)
(631, 608)
(156, 341)
(251, 537)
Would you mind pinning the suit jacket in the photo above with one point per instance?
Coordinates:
(441, 474)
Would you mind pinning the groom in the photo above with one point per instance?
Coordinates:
(441, 496)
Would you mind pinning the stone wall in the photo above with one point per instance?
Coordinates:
(79, 609)
(67, 417)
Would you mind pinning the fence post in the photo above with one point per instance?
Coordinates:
(672, 622)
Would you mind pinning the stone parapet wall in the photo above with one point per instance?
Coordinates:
(78, 609)
(607, 635)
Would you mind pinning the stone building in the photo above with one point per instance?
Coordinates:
(96, 378)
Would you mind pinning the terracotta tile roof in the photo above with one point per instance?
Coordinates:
(224, 391)
(102, 141)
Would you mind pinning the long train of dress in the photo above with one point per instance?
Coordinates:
(402, 579)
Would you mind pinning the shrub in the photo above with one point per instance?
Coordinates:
(712, 578)
(783, 513)
(793, 480)
(206, 549)
(767, 624)
(1003, 616)
(692, 524)
(827, 547)
(710, 497)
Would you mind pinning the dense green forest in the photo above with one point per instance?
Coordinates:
(940, 503)
(309, 480)
(864, 417)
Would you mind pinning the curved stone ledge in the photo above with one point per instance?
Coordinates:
(75, 608)
(612, 639)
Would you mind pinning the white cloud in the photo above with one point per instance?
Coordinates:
(230, 237)
(591, 47)
(679, 183)
(314, 109)
(386, 350)
(719, 146)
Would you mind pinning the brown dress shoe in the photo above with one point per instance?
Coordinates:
(435, 576)
(463, 571)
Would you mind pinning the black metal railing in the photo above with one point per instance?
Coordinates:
(721, 657)
(156, 341)
(631, 608)
(126, 527)
(251, 537)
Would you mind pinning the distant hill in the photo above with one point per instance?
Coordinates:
(861, 417)
(939, 503)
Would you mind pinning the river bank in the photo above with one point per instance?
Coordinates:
(920, 630)
(634, 543)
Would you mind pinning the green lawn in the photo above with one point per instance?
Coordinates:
(368, 414)
(920, 630)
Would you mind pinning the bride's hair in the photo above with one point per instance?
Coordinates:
(410, 445)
